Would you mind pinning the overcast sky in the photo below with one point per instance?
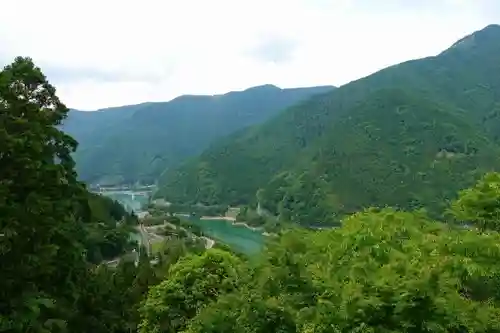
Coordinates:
(109, 52)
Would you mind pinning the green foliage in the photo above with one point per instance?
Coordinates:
(392, 274)
(191, 284)
(265, 221)
(175, 248)
(409, 136)
(254, 315)
(108, 229)
(382, 271)
(41, 242)
(424, 153)
(251, 217)
(480, 205)
(109, 300)
(51, 225)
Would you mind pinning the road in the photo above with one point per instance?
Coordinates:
(209, 242)
(147, 234)
(145, 238)
(144, 241)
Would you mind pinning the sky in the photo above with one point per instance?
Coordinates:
(110, 53)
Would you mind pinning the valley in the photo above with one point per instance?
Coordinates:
(409, 136)
(239, 237)
(370, 207)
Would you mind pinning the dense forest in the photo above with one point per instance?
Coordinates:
(382, 270)
(138, 142)
(408, 136)
(53, 231)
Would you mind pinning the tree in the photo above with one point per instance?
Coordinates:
(382, 271)
(41, 255)
(192, 283)
(109, 300)
(480, 205)
(243, 313)
(390, 271)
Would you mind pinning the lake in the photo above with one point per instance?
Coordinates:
(239, 238)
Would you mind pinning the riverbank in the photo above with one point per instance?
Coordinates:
(227, 218)
(209, 242)
(233, 221)
(241, 224)
(225, 230)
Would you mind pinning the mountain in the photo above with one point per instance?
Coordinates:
(84, 125)
(138, 142)
(408, 136)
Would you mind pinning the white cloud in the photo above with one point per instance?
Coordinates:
(105, 53)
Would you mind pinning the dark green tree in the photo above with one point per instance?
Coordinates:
(41, 251)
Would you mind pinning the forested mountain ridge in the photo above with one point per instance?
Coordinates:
(137, 142)
(85, 125)
(334, 154)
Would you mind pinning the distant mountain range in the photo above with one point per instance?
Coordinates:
(138, 142)
(408, 136)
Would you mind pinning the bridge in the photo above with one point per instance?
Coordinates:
(120, 188)
(128, 192)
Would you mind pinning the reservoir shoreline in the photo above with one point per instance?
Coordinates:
(232, 220)
(224, 229)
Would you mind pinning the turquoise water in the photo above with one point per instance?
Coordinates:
(239, 238)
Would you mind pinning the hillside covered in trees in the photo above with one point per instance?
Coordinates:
(138, 142)
(408, 136)
(382, 270)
